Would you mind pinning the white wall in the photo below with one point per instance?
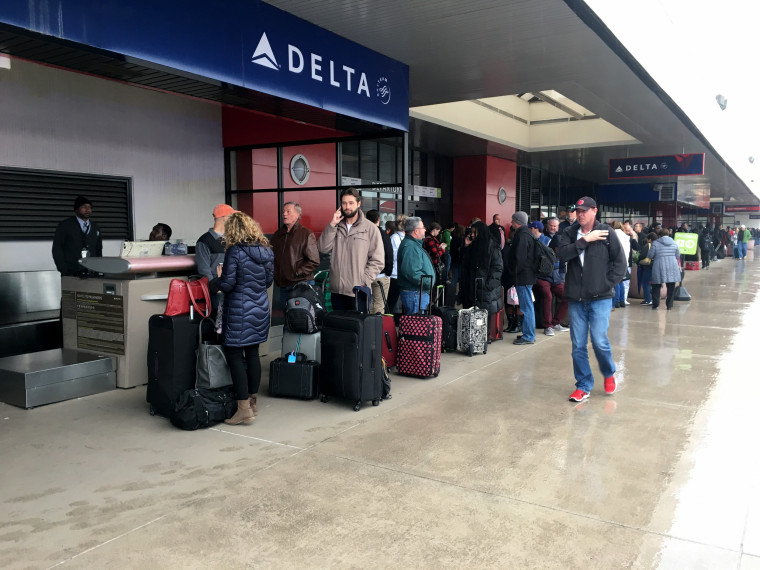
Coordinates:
(171, 147)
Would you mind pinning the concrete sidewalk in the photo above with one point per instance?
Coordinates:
(486, 466)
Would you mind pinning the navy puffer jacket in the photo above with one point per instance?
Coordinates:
(248, 272)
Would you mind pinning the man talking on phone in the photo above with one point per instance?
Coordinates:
(357, 250)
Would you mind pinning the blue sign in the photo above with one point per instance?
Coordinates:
(242, 42)
(657, 166)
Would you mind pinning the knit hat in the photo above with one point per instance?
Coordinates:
(81, 201)
(520, 217)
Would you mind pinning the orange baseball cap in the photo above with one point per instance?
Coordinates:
(223, 210)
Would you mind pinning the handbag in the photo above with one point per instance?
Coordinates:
(512, 298)
(211, 367)
(184, 294)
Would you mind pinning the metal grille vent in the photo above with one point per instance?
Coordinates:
(35, 201)
(667, 192)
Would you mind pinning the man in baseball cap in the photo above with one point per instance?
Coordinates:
(209, 249)
(595, 264)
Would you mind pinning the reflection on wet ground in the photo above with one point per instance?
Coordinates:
(486, 466)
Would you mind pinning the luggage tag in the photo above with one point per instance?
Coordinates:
(291, 357)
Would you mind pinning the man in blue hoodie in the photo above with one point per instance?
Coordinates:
(413, 263)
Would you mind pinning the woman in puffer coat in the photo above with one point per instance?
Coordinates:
(481, 259)
(664, 254)
(247, 274)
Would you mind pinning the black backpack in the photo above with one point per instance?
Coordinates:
(305, 309)
(544, 258)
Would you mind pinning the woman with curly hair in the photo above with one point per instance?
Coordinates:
(247, 273)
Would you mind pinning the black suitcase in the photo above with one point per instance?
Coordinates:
(172, 342)
(299, 379)
(449, 316)
(351, 366)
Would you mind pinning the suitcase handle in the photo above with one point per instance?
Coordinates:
(430, 301)
(388, 341)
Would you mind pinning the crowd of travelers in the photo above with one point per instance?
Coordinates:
(490, 267)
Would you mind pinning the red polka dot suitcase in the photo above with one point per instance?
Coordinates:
(419, 344)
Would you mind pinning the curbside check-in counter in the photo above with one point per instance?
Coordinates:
(109, 315)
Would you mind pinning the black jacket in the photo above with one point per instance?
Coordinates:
(604, 264)
(69, 241)
(388, 247)
(490, 297)
(521, 257)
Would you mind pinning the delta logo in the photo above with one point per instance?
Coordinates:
(317, 69)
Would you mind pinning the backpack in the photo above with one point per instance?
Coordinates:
(543, 259)
(305, 309)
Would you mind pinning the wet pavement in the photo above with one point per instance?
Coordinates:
(486, 466)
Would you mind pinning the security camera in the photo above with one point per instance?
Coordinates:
(722, 101)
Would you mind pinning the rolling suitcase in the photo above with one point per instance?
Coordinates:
(172, 342)
(308, 344)
(299, 379)
(351, 366)
(390, 335)
(496, 322)
(419, 343)
(472, 328)
(449, 316)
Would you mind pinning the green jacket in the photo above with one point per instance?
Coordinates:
(446, 238)
(746, 236)
(413, 263)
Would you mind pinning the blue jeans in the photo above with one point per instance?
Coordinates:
(743, 250)
(645, 281)
(619, 293)
(593, 317)
(524, 294)
(410, 301)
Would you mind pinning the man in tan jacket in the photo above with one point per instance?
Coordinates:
(357, 250)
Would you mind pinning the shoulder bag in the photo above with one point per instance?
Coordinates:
(184, 294)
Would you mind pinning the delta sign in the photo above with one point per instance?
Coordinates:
(657, 166)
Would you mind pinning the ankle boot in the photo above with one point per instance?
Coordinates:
(254, 407)
(513, 328)
(510, 320)
(244, 414)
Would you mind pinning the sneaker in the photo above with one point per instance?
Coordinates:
(521, 340)
(646, 302)
(579, 396)
(560, 328)
(610, 385)
(548, 331)
(626, 303)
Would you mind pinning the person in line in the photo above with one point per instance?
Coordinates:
(625, 241)
(551, 227)
(632, 252)
(481, 259)
(383, 280)
(160, 232)
(396, 239)
(705, 246)
(455, 251)
(209, 251)
(743, 238)
(357, 250)
(436, 250)
(247, 273)
(523, 269)
(569, 220)
(552, 287)
(645, 269)
(664, 254)
(498, 233)
(413, 264)
(75, 238)
(295, 252)
(595, 264)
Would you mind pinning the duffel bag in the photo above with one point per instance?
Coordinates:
(202, 407)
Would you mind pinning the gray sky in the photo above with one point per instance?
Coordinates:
(696, 49)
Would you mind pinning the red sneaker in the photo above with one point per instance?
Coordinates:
(610, 385)
(579, 396)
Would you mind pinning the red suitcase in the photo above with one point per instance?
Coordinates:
(419, 344)
(496, 322)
